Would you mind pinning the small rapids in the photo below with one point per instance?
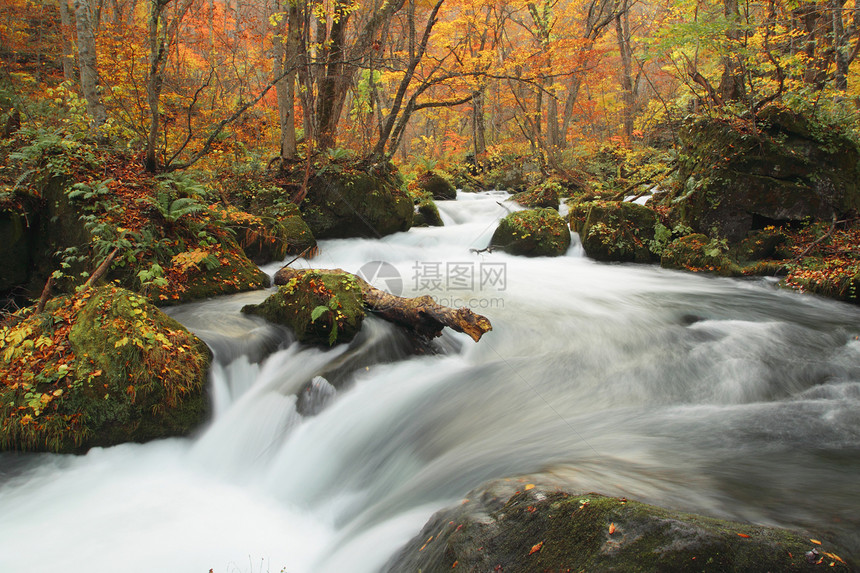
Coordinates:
(711, 395)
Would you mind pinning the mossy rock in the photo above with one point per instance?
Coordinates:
(533, 233)
(427, 214)
(697, 253)
(273, 238)
(759, 245)
(204, 273)
(543, 528)
(734, 178)
(615, 230)
(545, 194)
(347, 201)
(99, 368)
(321, 307)
(435, 185)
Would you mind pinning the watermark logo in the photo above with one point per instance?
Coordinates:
(459, 276)
(383, 276)
(452, 284)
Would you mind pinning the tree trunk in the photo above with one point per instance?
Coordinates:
(622, 32)
(334, 84)
(154, 83)
(479, 128)
(420, 314)
(68, 50)
(286, 49)
(731, 86)
(87, 64)
(840, 47)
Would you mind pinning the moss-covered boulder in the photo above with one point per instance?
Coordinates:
(760, 245)
(99, 368)
(615, 230)
(204, 272)
(697, 253)
(351, 201)
(544, 194)
(533, 233)
(434, 185)
(266, 238)
(738, 175)
(426, 213)
(516, 526)
(321, 307)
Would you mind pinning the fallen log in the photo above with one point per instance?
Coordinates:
(420, 314)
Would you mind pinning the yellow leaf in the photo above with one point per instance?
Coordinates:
(530, 486)
(611, 528)
(121, 342)
(536, 547)
(815, 541)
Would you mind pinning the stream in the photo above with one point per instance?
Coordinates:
(720, 396)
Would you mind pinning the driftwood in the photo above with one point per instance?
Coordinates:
(420, 314)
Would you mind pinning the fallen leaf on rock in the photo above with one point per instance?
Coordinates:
(529, 486)
(834, 557)
(536, 547)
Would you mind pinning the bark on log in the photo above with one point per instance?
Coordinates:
(420, 314)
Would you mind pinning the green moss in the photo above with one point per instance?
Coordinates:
(837, 278)
(782, 167)
(272, 238)
(697, 253)
(614, 230)
(533, 233)
(426, 214)
(759, 245)
(349, 202)
(223, 270)
(101, 368)
(321, 307)
(435, 185)
(550, 530)
(545, 194)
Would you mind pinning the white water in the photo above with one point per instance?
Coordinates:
(703, 394)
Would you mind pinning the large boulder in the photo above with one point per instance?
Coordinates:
(321, 307)
(615, 230)
(271, 237)
(515, 526)
(533, 233)
(697, 253)
(99, 368)
(735, 177)
(204, 272)
(345, 201)
(544, 194)
(426, 213)
(434, 185)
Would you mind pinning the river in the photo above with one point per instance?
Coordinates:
(721, 396)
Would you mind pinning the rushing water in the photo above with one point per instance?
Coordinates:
(713, 395)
